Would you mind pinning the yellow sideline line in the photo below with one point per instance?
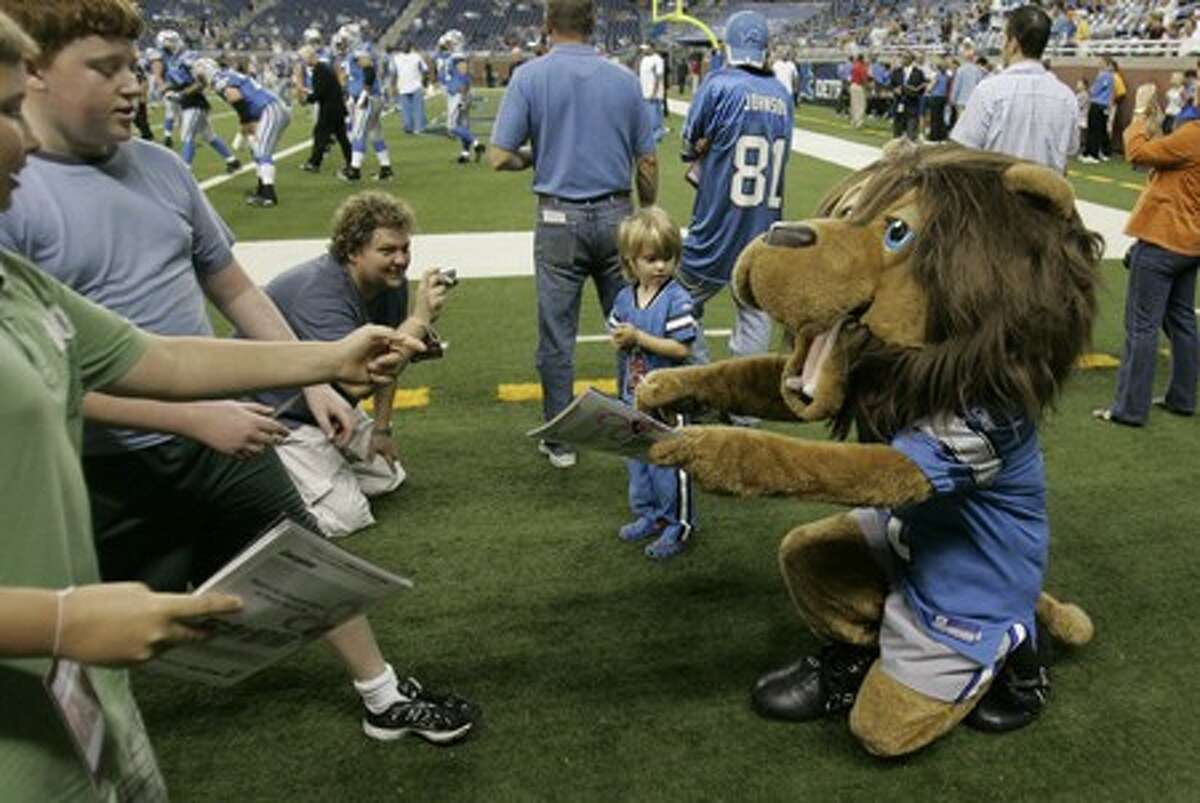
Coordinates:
(532, 391)
(406, 399)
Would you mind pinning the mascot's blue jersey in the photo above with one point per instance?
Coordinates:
(257, 98)
(456, 82)
(669, 315)
(356, 73)
(747, 118)
(974, 553)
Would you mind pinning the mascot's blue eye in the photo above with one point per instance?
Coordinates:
(898, 235)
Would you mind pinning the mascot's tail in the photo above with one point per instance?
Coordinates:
(1065, 621)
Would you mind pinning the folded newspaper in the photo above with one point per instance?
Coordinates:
(602, 423)
(295, 586)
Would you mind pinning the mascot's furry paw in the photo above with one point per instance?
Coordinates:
(1065, 621)
(673, 390)
(712, 455)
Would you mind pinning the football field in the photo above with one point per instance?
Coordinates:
(604, 676)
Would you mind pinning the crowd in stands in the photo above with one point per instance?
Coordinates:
(853, 25)
(850, 26)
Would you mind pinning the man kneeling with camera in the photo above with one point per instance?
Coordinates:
(362, 279)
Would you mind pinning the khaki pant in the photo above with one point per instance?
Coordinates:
(334, 483)
(858, 105)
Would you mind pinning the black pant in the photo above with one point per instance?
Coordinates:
(141, 119)
(175, 513)
(937, 118)
(1097, 131)
(329, 127)
(906, 123)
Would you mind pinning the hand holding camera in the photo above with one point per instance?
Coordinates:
(431, 297)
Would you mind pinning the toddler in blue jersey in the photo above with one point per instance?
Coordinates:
(652, 326)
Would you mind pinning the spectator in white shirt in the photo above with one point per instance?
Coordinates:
(410, 70)
(785, 72)
(1024, 110)
(652, 74)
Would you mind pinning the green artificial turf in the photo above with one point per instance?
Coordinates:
(606, 677)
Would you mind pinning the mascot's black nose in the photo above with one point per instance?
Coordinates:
(792, 235)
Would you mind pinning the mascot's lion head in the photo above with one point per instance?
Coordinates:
(935, 280)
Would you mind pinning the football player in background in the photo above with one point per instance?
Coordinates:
(458, 96)
(364, 90)
(184, 90)
(260, 112)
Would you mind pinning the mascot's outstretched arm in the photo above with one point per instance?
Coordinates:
(746, 462)
(744, 386)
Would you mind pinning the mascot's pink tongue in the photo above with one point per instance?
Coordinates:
(818, 353)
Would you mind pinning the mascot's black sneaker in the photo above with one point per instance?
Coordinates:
(816, 685)
(437, 718)
(1017, 695)
(232, 166)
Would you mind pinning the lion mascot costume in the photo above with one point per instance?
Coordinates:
(935, 309)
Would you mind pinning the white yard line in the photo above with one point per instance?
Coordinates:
(217, 181)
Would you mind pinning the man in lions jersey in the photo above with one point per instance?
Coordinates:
(260, 112)
(360, 69)
(738, 135)
(186, 92)
(457, 80)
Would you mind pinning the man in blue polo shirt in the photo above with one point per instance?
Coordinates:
(579, 122)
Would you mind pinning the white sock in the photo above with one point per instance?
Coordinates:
(266, 172)
(385, 160)
(356, 159)
(380, 692)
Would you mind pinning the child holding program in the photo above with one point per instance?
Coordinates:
(652, 327)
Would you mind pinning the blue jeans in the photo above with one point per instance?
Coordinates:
(751, 328)
(572, 242)
(656, 116)
(661, 493)
(412, 107)
(1161, 294)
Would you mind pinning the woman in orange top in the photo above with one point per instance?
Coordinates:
(1162, 266)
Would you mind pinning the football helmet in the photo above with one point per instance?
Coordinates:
(169, 41)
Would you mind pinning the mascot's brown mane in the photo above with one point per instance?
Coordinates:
(1010, 284)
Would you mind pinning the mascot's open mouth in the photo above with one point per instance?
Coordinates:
(809, 361)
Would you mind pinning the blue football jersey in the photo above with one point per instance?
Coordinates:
(356, 82)
(669, 315)
(456, 82)
(256, 96)
(178, 68)
(974, 553)
(747, 118)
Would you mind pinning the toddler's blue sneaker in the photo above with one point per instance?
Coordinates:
(641, 529)
(669, 544)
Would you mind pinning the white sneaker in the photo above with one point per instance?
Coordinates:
(560, 456)
(1089, 160)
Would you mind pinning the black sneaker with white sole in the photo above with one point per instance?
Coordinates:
(437, 722)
